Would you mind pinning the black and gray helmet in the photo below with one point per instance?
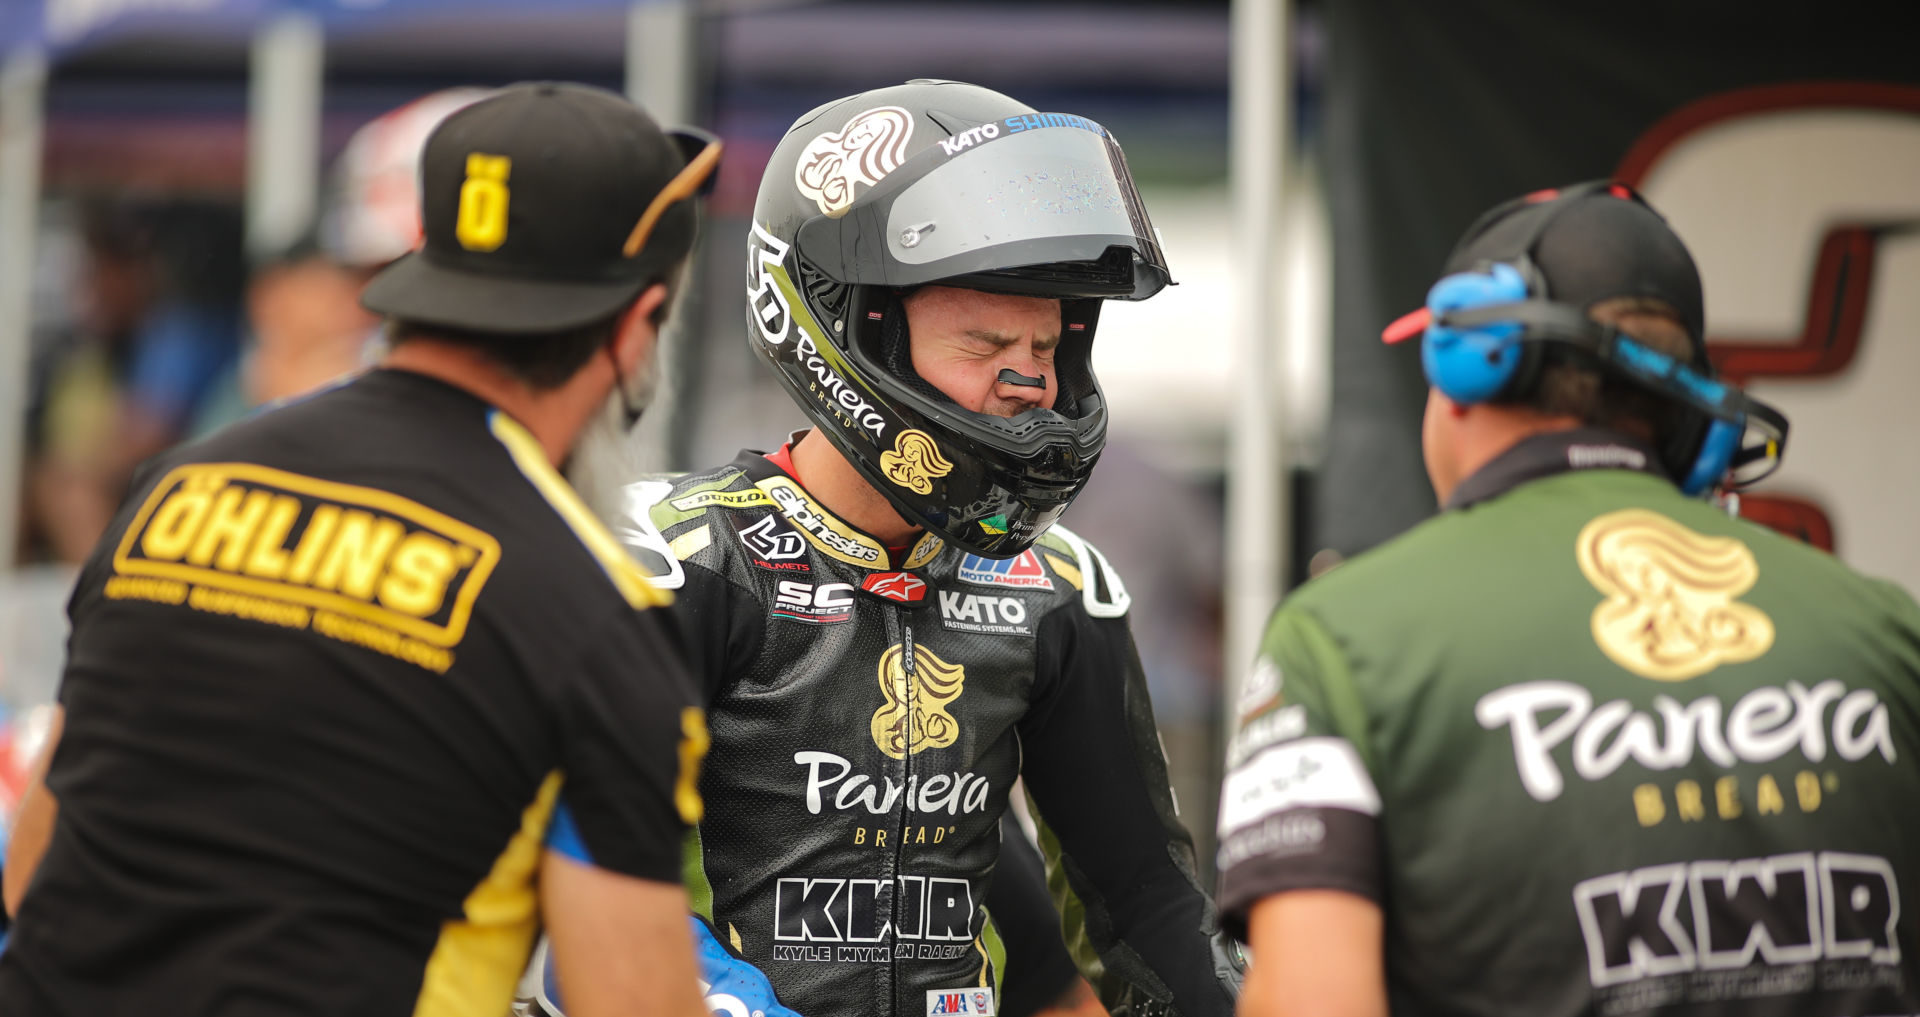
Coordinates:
(950, 183)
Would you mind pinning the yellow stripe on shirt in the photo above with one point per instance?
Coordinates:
(478, 959)
(628, 577)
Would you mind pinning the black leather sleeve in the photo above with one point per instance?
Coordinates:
(1093, 765)
(1039, 969)
(721, 626)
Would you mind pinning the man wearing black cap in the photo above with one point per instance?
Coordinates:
(1585, 743)
(358, 692)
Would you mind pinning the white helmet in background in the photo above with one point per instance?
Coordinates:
(372, 208)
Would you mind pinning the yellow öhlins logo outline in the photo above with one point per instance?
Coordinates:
(363, 553)
(915, 717)
(915, 462)
(1672, 610)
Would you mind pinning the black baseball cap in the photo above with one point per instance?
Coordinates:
(1585, 243)
(546, 206)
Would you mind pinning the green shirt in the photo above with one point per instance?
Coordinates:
(1594, 748)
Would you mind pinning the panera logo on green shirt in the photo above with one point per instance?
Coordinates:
(1763, 725)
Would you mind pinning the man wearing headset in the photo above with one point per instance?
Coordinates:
(889, 625)
(1583, 744)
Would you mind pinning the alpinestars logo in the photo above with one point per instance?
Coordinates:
(802, 513)
(899, 586)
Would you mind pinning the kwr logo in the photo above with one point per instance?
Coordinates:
(973, 612)
(864, 910)
(1787, 909)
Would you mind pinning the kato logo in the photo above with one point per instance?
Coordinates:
(265, 534)
(917, 686)
(915, 462)
(1023, 571)
(1671, 611)
(976, 612)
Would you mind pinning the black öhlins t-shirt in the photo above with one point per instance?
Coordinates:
(333, 673)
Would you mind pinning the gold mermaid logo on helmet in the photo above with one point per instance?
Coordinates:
(914, 462)
(1672, 610)
(915, 715)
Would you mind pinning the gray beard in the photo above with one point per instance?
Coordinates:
(607, 456)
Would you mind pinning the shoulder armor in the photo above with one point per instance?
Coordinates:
(1101, 591)
(641, 536)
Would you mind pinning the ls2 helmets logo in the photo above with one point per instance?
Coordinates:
(775, 545)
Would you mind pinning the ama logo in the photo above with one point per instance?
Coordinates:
(1022, 571)
(972, 1002)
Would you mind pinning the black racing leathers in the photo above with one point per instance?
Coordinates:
(870, 710)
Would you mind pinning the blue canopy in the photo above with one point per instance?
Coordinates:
(60, 27)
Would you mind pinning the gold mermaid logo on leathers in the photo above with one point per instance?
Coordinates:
(1671, 611)
(915, 715)
(914, 462)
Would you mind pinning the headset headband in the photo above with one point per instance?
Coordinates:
(1563, 325)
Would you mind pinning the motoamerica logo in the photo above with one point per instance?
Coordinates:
(1762, 726)
(956, 793)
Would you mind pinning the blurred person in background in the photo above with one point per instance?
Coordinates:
(306, 325)
(158, 312)
(888, 625)
(1585, 743)
(338, 671)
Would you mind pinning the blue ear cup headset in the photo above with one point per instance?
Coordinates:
(1488, 333)
(1486, 340)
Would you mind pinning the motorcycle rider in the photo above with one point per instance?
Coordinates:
(889, 625)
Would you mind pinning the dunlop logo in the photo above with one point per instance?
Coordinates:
(369, 555)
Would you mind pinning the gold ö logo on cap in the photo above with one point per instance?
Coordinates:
(1671, 611)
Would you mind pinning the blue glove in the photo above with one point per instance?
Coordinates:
(733, 987)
